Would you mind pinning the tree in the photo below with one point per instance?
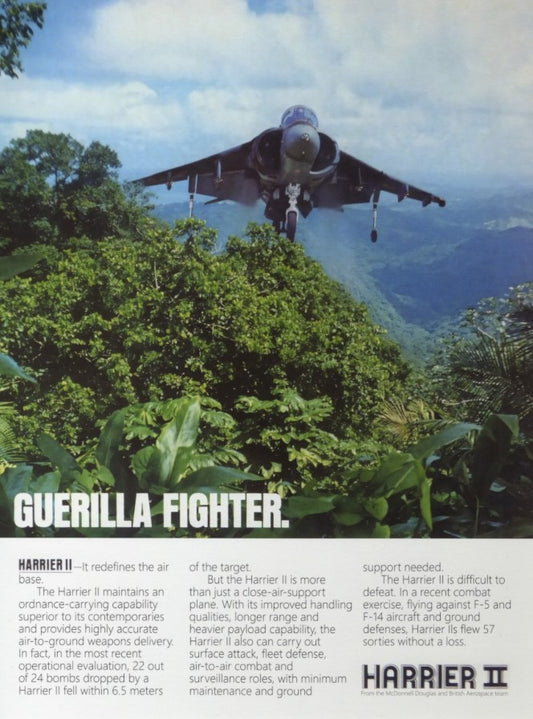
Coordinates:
(53, 189)
(97, 164)
(16, 32)
(120, 321)
(9, 267)
(488, 367)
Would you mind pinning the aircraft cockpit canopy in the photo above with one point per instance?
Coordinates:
(299, 113)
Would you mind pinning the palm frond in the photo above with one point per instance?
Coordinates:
(495, 373)
(9, 451)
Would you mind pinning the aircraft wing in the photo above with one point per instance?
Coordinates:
(364, 180)
(224, 176)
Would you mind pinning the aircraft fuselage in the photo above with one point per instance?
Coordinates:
(292, 168)
(300, 144)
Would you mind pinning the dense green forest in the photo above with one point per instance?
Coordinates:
(426, 268)
(138, 355)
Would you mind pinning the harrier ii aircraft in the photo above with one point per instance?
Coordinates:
(292, 168)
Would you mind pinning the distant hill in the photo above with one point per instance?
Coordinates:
(486, 264)
(428, 265)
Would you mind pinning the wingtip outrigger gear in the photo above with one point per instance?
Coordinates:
(375, 200)
(193, 187)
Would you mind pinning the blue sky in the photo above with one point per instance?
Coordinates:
(432, 91)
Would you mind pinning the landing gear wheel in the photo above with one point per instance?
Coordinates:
(374, 235)
(292, 220)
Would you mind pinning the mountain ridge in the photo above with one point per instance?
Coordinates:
(428, 265)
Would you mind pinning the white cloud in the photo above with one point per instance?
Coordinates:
(403, 84)
(218, 41)
(448, 50)
(85, 109)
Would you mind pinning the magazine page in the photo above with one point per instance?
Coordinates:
(265, 407)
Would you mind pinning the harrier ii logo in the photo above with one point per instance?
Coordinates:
(434, 676)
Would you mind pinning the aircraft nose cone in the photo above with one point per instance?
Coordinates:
(301, 142)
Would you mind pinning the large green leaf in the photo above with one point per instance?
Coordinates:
(381, 531)
(377, 507)
(434, 443)
(110, 438)
(398, 471)
(298, 507)
(425, 502)
(48, 482)
(15, 264)
(141, 463)
(490, 451)
(349, 511)
(10, 368)
(175, 444)
(215, 479)
(501, 428)
(16, 479)
(59, 457)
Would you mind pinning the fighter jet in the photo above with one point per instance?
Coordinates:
(292, 168)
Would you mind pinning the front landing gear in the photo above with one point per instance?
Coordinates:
(284, 207)
(292, 191)
(290, 224)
